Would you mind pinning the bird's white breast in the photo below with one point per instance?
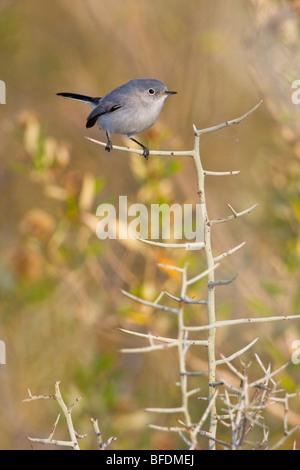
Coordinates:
(132, 119)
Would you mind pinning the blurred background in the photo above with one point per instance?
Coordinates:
(60, 286)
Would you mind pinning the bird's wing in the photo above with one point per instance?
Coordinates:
(104, 107)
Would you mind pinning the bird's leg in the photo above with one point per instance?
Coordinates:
(108, 146)
(145, 149)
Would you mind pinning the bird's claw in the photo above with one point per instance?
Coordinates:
(108, 146)
(146, 153)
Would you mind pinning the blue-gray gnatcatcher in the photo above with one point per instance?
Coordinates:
(127, 110)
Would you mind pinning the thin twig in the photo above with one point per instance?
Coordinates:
(169, 153)
(235, 214)
(242, 321)
(150, 304)
(73, 443)
(227, 123)
(186, 246)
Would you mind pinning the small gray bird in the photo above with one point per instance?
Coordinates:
(127, 110)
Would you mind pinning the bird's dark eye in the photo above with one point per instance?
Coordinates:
(151, 91)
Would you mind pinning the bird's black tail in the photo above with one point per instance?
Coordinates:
(85, 99)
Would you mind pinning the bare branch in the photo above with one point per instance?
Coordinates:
(101, 445)
(168, 153)
(163, 338)
(203, 274)
(236, 354)
(149, 304)
(72, 443)
(285, 437)
(241, 321)
(221, 173)
(223, 282)
(229, 252)
(165, 410)
(235, 215)
(186, 246)
(199, 132)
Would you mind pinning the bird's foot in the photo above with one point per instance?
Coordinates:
(108, 146)
(146, 153)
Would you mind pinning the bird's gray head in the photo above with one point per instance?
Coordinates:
(148, 89)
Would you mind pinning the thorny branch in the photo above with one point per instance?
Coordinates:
(74, 436)
(239, 408)
(240, 415)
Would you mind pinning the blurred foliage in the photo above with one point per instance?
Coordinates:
(60, 297)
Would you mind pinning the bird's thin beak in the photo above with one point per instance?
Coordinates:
(171, 92)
